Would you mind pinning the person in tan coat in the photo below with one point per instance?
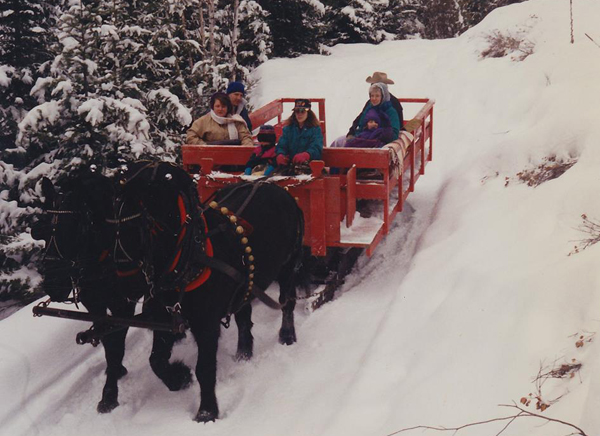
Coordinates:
(219, 126)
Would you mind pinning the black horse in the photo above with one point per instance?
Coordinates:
(78, 258)
(150, 238)
(204, 263)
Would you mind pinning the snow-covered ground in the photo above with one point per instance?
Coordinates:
(460, 307)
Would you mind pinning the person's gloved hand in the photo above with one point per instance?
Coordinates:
(269, 170)
(301, 157)
(248, 171)
(282, 160)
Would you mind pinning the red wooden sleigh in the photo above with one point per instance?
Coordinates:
(329, 199)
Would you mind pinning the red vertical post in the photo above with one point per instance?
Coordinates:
(322, 120)
(318, 244)
(401, 187)
(431, 133)
(279, 115)
(350, 195)
(413, 152)
(386, 201)
(422, 147)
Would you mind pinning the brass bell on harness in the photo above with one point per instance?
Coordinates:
(213, 204)
(224, 210)
(239, 229)
(233, 219)
(244, 240)
(248, 250)
(251, 258)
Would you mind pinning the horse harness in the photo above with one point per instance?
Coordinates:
(53, 253)
(192, 260)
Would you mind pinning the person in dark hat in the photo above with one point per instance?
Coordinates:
(237, 93)
(262, 160)
(302, 139)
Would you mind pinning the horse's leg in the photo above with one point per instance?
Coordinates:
(243, 319)
(206, 331)
(114, 351)
(176, 375)
(287, 299)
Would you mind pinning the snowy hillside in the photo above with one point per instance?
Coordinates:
(468, 299)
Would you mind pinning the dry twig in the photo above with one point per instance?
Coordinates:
(522, 413)
(592, 228)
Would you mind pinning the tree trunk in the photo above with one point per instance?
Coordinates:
(234, 41)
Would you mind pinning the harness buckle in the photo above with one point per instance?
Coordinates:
(178, 323)
(176, 308)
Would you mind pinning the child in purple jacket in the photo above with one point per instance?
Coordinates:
(377, 133)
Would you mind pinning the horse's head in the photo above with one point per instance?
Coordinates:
(73, 226)
(152, 213)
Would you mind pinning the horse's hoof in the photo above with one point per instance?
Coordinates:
(243, 356)
(287, 338)
(206, 416)
(180, 377)
(107, 406)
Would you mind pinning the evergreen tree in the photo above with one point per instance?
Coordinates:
(254, 42)
(24, 50)
(296, 26)
(474, 11)
(353, 21)
(25, 40)
(441, 19)
(399, 19)
(113, 92)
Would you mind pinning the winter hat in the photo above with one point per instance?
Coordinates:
(266, 133)
(379, 77)
(302, 103)
(385, 94)
(372, 115)
(236, 87)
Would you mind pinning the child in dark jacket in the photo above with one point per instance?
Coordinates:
(376, 134)
(263, 156)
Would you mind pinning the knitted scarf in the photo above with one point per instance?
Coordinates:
(230, 121)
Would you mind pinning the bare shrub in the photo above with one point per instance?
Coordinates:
(556, 370)
(501, 45)
(592, 229)
(551, 168)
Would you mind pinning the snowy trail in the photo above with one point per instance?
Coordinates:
(69, 394)
(457, 308)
